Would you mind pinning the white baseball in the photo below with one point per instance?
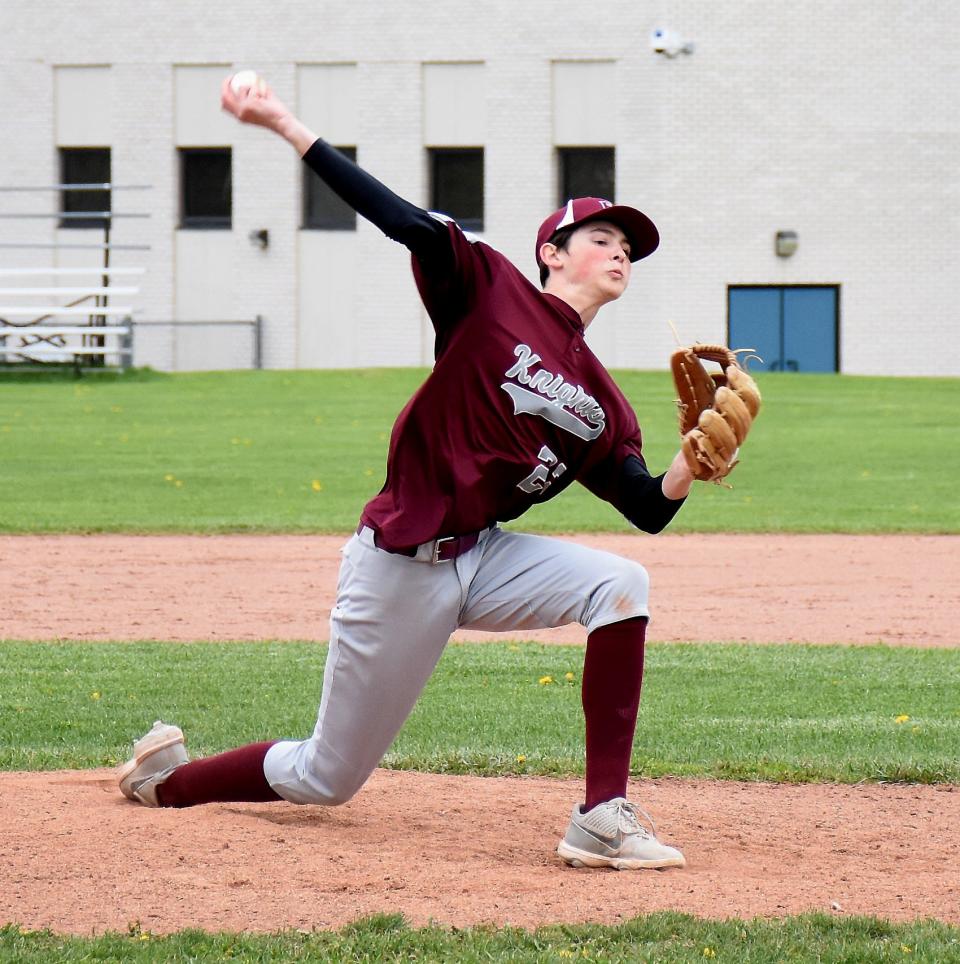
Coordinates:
(247, 79)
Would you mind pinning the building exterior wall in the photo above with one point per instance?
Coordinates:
(842, 127)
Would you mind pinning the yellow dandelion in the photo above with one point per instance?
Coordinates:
(709, 952)
(902, 718)
(546, 680)
(316, 485)
(521, 758)
(906, 949)
(95, 695)
(144, 937)
(169, 478)
(569, 677)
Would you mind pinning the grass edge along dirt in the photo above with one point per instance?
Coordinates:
(796, 713)
(662, 937)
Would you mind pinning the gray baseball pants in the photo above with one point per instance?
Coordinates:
(392, 618)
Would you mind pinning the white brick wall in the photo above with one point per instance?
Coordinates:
(839, 122)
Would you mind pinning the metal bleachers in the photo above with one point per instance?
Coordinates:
(67, 315)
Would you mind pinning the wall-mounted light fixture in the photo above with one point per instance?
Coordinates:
(786, 243)
(669, 42)
(260, 238)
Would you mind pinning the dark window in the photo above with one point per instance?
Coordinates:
(456, 184)
(322, 208)
(84, 165)
(206, 191)
(586, 172)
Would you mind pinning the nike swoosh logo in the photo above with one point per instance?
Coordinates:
(611, 843)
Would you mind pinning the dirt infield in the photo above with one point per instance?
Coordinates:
(76, 857)
(818, 588)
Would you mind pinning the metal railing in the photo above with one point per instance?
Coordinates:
(255, 324)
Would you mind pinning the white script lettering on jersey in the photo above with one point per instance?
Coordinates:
(551, 397)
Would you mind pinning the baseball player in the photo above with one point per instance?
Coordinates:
(516, 408)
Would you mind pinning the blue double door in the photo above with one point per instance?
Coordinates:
(793, 328)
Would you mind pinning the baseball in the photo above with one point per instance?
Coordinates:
(247, 79)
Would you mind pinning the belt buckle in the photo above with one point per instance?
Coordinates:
(436, 550)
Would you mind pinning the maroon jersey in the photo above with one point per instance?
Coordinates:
(516, 408)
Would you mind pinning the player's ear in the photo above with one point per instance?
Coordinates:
(550, 255)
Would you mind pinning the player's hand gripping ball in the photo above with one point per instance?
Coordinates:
(249, 98)
(716, 409)
(246, 80)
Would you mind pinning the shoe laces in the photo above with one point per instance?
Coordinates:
(629, 822)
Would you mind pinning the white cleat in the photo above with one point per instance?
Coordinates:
(611, 835)
(155, 757)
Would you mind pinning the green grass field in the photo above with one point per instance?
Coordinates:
(301, 451)
(664, 938)
(795, 713)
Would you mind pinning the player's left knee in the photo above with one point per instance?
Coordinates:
(632, 581)
(622, 593)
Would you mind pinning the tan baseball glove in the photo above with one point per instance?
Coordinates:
(716, 409)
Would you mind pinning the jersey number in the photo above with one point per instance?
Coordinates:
(542, 476)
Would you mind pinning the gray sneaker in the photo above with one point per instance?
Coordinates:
(155, 757)
(610, 835)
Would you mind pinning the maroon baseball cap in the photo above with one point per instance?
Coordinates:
(641, 231)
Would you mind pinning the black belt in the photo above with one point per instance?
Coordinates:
(445, 549)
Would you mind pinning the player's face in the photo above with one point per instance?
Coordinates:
(599, 259)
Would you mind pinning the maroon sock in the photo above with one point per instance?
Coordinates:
(612, 676)
(232, 777)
